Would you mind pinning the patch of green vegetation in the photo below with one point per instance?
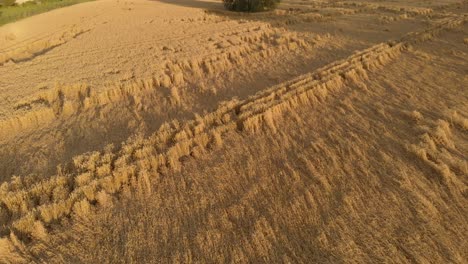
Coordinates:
(250, 5)
(10, 12)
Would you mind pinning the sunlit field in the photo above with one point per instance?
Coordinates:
(162, 131)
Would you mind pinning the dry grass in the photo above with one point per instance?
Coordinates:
(47, 106)
(357, 161)
(31, 50)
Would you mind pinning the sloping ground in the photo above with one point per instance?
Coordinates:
(363, 159)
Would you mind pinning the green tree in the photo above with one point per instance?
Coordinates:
(250, 5)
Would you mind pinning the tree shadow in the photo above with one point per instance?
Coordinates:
(207, 5)
(284, 16)
(317, 18)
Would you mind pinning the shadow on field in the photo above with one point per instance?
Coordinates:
(216, 7)
(284, 16)
(208, 5)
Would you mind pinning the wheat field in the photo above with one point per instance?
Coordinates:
(173, 131)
